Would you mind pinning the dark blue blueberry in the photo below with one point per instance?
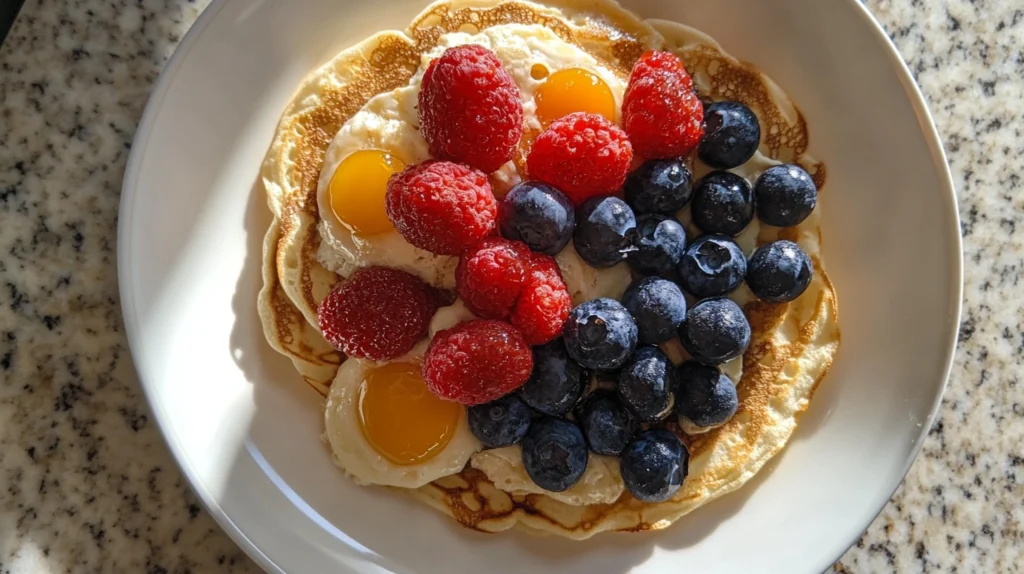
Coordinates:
(538, 215)
(660, 243)
(600, 334)
(705, 396)
(606, 423)
(786, 195)
(723, 203)
(779, 272)
(712, 265)
(731, 135)
(554, 453)
(500, 422)
(605, 231)
(556, 382)
(715, 331)
(658, 307)
(659, 186)
(646, 384)
(654, 465)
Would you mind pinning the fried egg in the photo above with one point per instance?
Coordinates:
(554, 78)
(385, 427)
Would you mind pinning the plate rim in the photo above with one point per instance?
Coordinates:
(130, 190)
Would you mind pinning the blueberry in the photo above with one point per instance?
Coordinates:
(779, 272)
(500, 422)
(556, 382)
(731, 135)
(659, 186)
(538, 215)
(660, 243)
(712, 265)
(654, 465)
(605, 231)
(723, 203)
(606, 423)
(646, 384)
(554, 453)
(600, 334)
(786, 195)
(715, 331)
(658, 307)
(704, 395)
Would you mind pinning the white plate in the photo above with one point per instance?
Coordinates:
(245, 429)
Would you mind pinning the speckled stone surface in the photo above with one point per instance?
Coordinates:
(86, 484)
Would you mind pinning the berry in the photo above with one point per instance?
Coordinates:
(379, 313)
(470, 109)
(490, 276)
(654, 465)
(605, 231)
(659, 186)
(779, 271)
(786, 195)
(500, 422)
(704, 395)
(554, 453)
(713, 265)
(538, 215)
(715, 331)
(582, 154)
(441, 207)
(660, 244)
(600, 334)
(723, 203)
(477, 362)
(658, 307)
(660, 111)
(606, 423)
(731, 135)
(544, 302)
(646, 384)
(556, 382)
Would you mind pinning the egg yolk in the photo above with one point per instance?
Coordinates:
(573, 90)
(401, 418)
(358, 187)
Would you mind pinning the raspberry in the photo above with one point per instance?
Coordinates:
(477, 362)
(660, 111)
(581, 154)
(544, 302)
(490, 276)
(379, 313)
(441, 206)
(470, 109)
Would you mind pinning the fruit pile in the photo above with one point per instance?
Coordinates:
(524, 369)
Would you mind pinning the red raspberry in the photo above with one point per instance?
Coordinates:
(660, 111)
(477, 362)
(490, 276)
(379, 313)
(544, 302)
(470, 109)
(441, 206)
(581, 154)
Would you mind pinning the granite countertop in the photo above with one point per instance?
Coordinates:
(87, 483)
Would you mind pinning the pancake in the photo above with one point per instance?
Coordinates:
(792, 345)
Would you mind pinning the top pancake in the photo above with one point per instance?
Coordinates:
(792, 345)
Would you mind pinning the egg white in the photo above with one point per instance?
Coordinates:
(389, 121)
(357, 457)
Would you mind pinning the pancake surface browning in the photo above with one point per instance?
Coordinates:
(792, 346)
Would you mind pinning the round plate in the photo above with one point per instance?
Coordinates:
(245, 429)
